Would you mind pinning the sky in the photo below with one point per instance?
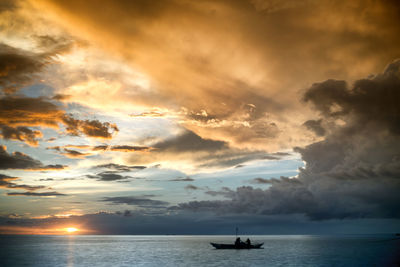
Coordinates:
(194, 117)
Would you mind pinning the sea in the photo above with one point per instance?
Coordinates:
(129, 250)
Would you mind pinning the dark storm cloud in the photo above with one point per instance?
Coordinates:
(108, 176)
(20, 133)
(353, 173)
(19, 160)
(6, 182)
(315, 126)
(257, 201)
(136, 201)
(370, 101)
(36, 194)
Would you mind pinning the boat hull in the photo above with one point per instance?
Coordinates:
(232, 246)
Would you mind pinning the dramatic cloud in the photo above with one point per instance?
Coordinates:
(202, 153)
(135, 201)
(204, 89)
(17, 67)
(352, 173)
(6, 182)
(23, 134)
(26, 111)
(93, 128)
(237, 85)
(19, 160)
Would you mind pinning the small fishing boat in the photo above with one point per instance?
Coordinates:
(233, 246)
(238, 244)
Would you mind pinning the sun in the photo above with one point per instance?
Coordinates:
(71, 230)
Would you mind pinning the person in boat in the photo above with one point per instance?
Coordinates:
(237, 242)
(248, 242)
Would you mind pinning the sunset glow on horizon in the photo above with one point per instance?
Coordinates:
(71, 229)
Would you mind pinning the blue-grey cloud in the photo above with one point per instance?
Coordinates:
(36, 194)
(186, 179)
(8, 182)
(119, 167)
(19, 160)
(135, 201)
(108, 176)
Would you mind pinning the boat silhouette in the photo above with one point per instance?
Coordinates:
(238, 244)
(241, 246)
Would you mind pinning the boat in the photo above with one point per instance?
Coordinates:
(241, 246)
(238, 244)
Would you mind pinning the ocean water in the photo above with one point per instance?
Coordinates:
(97, 250)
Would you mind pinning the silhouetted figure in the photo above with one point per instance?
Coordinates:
(237, 242)
(248, 243)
